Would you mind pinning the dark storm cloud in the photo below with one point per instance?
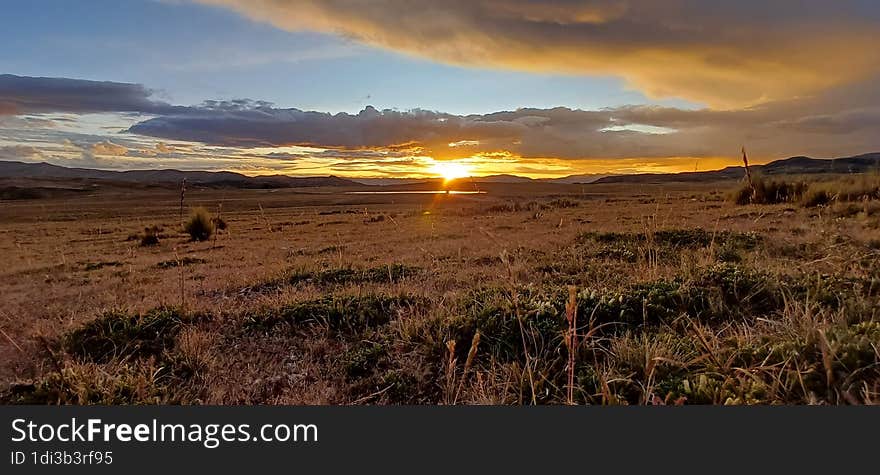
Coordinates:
(36, 95)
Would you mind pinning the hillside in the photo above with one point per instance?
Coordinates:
(231, 179)
(789, 166)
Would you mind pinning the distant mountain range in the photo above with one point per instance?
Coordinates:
(789, 166)
(45, 170)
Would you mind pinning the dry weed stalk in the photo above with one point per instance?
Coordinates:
(748, 172)
(571, 339)
(11, 340)
(652, 253)
(217, 221)
(472, 353)
(450, 371)
(514, 295)
(180, 267)
(827, 360)
(265, 219)
(182, 196)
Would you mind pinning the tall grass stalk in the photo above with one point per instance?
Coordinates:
(571, 340)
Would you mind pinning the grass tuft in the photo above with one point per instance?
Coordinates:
(200, 225)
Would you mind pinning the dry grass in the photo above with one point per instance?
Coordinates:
(769, 191)
(681, 298)
(819, 191)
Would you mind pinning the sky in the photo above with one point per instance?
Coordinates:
(386, 88)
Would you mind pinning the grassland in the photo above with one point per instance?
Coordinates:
(680, 296)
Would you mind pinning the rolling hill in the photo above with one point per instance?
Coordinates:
(230, 179)
(789, 166)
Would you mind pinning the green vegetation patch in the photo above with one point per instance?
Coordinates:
(666, 244)
(350, 275)
(118, 358)
(681, 238)
(386, 274)
(532, 206)
(347, 314)
(719, 293)
(835, 365)
(122, 335)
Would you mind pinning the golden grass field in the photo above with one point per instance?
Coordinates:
(313, 296)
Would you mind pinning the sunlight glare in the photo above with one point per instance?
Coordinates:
(451, 170)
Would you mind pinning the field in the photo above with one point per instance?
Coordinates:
(528, 293)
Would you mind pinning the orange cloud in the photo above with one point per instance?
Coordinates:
(724, 54)
(108, 148)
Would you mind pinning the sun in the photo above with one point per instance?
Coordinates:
(451, 170)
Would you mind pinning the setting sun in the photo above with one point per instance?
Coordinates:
(451, 170)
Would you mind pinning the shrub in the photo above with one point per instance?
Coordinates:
(151, 236)
(817, 197)
(769, 192)
(849, 189)
(122, 335)
(866, 187)
(219, 223)
(200, 226)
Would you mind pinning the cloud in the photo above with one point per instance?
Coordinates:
(840, 121)
(15, 122)
(254, 124)
(108, 148)
(18, 152)
(36, 95)
(721, 53)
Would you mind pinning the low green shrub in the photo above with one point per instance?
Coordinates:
(118, 334)
(345, 314)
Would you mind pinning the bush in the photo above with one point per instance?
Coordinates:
(849, 189)
(817, 197)
(866, 187)
(200, 226)
(219, 223)
(151, 236)
(769, 192)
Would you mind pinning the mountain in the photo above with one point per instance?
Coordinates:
(574, 179)
(231, 179)
(387, 181)
(788, 166)
(499, 179)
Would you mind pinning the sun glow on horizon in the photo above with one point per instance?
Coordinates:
(451, 170)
